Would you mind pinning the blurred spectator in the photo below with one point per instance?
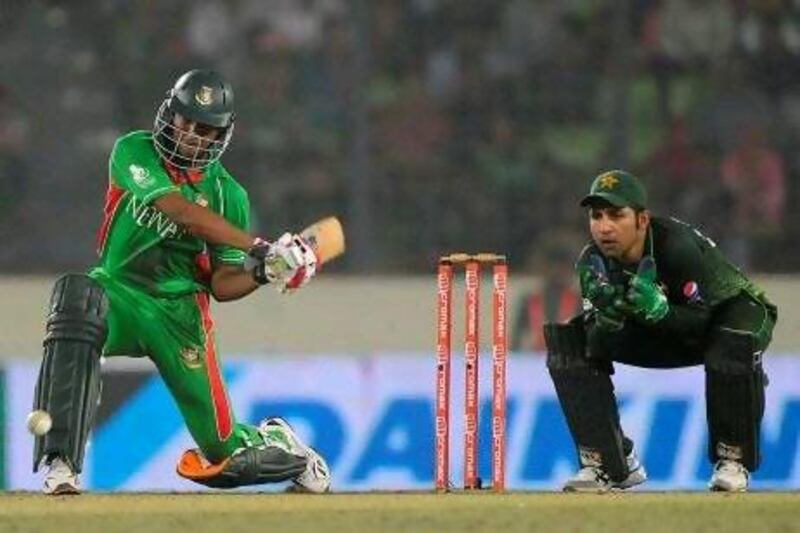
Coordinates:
(293, 24)
(557, 297)
(14, 175)
(686, 37)
(696, 33)
(769, 36)
(753, 175)
(532, 36)
(484, 117)
(681, 175)
(508, 174)
(210, 30)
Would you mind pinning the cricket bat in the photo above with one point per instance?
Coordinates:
(326, 237)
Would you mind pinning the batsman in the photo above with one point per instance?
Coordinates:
(175, 232)
(659, 294)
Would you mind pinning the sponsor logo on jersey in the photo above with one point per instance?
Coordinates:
(204, 96)
(191, 357)
(147, 216)
(201, 200)
(141, 176)
(691, 290)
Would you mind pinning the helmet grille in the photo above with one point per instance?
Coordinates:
(186, 150)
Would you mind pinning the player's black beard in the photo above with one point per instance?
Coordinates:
(173, 156)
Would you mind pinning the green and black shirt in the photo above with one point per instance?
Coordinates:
(694, 274)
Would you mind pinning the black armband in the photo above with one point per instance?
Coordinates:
(258, 252)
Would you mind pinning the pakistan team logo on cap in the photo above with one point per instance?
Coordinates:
(608, 180)
(141, 176)
(204, 95)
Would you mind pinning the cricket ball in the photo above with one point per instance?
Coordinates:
(39, 422)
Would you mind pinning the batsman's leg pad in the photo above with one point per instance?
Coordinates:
(735, 384)
(68, 387)
(587, 398)
(254, 465)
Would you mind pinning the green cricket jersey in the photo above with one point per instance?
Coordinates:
(694, 274)
(138, 245)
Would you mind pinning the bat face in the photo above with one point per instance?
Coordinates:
(326, 237)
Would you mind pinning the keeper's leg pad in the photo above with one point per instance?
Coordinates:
(68, 387)
(587, 398)
(735, 383)
(254, 465)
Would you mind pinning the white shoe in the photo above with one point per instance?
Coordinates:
(729, 476)
(317, 476)
(594, 478)
(589, 479)
(636, 472)
(60, 479)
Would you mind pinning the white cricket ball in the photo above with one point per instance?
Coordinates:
(39, 422)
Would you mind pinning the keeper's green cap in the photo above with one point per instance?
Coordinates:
(618, 188)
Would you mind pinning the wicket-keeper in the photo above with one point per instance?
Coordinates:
(657, 293)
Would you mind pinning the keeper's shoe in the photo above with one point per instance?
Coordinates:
(317, 476)
(594, 479)
(60, 479)
(729, 476)
(589, 479)
(636, 472)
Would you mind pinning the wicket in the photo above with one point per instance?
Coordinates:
(472, 272)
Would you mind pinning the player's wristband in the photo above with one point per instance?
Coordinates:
(259, 251)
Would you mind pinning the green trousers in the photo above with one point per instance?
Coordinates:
(177, 334)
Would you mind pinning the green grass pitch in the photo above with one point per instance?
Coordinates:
(514, 511)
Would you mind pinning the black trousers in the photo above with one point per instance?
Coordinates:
(639, 346)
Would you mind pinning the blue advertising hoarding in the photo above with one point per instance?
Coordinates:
(372, 417)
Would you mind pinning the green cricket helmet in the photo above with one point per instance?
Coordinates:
(202, 96)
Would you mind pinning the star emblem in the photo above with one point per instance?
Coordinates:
(608, 181)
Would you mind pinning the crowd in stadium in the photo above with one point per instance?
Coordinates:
(473, 125)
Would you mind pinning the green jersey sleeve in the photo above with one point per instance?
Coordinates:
(235, 208)
(696, 275)
(134, 166)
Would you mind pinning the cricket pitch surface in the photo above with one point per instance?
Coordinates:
(513, 511)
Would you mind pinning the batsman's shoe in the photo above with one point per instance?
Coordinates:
(317, 476)
(60, 479)
(729, 476)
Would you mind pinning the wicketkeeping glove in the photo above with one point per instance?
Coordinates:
(645, 299)
(597, 288)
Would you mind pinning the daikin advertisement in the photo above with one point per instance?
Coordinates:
(372, 417)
